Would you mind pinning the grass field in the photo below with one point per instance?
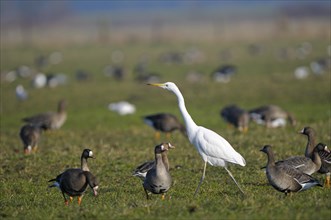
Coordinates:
(120, 143)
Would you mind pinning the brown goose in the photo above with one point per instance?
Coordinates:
(74, 181)
(164, 122)
(49, 120)
(271, 116)
(236, 116)
(325, 156)
(286, 178)
(30, 135)
(307, 165)
(311, 135)
(142, 169)
(158, 179)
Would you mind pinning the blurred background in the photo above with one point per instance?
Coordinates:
(94, 45)
(116, 22)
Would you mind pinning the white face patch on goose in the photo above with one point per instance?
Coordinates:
(162, 147)
(90, 154)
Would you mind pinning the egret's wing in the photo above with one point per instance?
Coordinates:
(216, 148)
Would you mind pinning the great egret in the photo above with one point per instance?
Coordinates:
(286, 178)
(213, 148)
(50, 120)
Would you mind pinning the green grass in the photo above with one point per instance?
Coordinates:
(122, 143)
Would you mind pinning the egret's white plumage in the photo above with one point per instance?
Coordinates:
(213, 148)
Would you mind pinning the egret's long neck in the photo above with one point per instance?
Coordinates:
(189, 123)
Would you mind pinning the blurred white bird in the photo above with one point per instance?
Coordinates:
(21, 93)
(39, 81)
(122, 107)
(213, 148)
(301, 72)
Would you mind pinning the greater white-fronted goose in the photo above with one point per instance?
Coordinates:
(158, 179)
(271, 116)
(236, 116)
(325, 156)
(306, 164)
(30, 135)
(164, 122)
(142, 169)
(286, 178)
(50, 120)
(74, 182)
